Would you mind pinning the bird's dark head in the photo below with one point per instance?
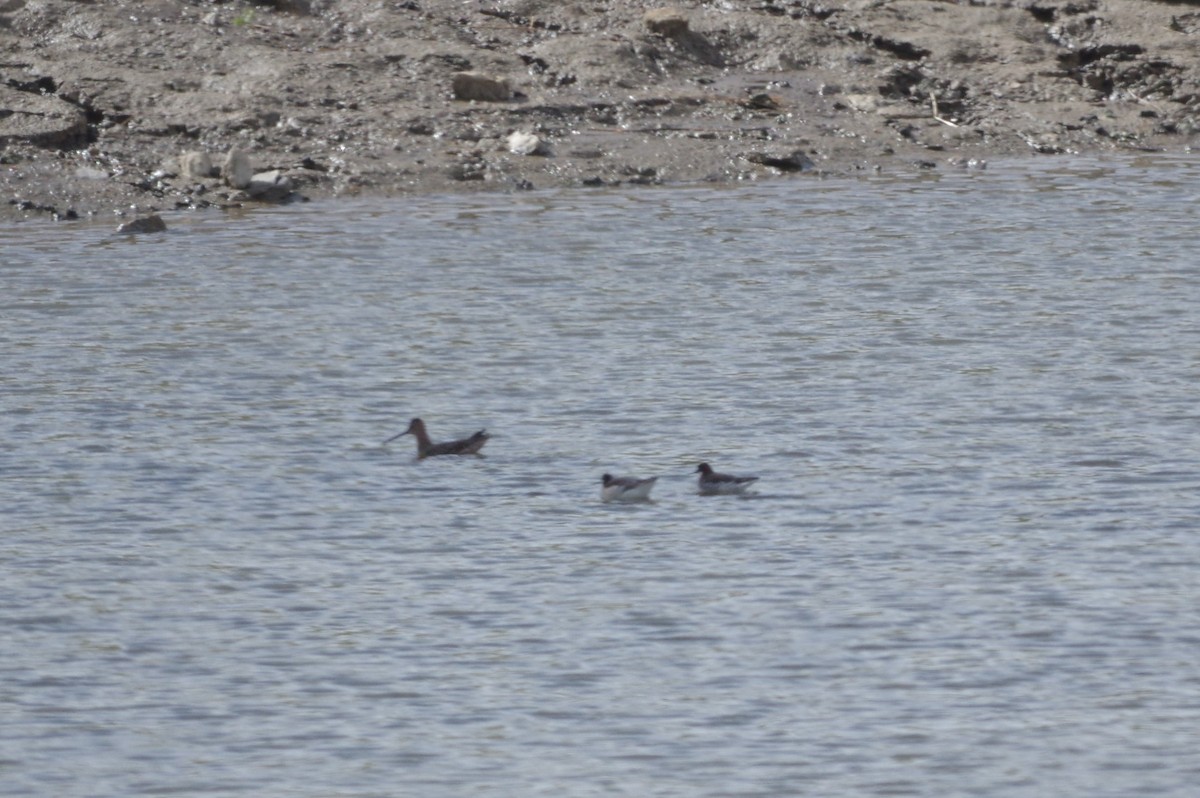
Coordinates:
(413, 426)
(704, 468)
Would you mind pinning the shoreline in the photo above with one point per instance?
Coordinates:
(117, 110)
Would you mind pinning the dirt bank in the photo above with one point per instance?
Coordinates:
(99, 99)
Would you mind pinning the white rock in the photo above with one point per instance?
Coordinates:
(520, 143)
(273, 185)
(866, 103)
(237, 170)
(90, 173)
(195, 164)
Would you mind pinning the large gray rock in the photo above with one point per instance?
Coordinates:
(270, 186)
(146, 224)
(673, 23)
(478, 86)
(784, 161)
(40, 119)
(666, 21)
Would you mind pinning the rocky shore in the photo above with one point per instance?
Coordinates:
(117, 108)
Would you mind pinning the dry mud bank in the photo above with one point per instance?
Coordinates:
(98, 100)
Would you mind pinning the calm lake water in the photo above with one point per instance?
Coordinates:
(971, 566)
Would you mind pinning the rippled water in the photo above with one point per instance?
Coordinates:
(970, 567)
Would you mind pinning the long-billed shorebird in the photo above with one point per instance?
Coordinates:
(427, 448)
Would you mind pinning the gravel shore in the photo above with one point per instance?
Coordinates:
(123, 108)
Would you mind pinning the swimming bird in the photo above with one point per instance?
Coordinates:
(714, 484)
(625, 489)
(427, 448)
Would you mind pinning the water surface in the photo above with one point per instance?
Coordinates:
(970, 567)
